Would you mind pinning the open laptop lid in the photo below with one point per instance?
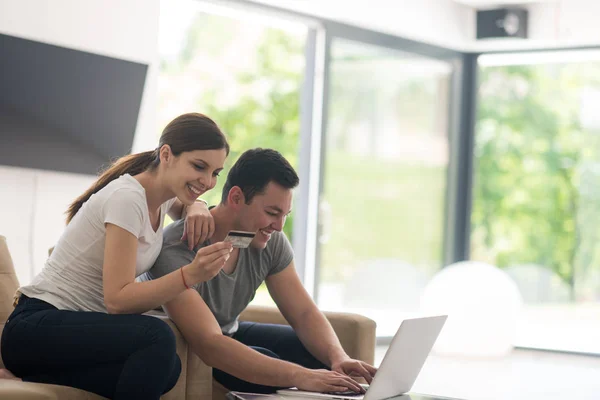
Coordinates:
(401, 364)
(405, 357)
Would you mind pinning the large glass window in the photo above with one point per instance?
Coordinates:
(536, 208)
(383, 198)
(243, 70)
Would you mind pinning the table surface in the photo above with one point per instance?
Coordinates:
(257, 396)
(419, 396)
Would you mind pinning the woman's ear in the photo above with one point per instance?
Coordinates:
(165, 154)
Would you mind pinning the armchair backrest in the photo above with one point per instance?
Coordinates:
(8, 282)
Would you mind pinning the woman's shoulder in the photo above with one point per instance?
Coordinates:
(124, 186)
(121, 193)
(128, 182)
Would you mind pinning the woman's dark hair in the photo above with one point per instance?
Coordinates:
(188, 132)
(253, 171)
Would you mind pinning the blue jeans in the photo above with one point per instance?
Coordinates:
(277, 341)
(115, 356)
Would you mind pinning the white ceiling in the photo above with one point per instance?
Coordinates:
(492, 3)
(451, 23)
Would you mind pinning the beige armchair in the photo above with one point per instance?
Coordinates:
(356, 333)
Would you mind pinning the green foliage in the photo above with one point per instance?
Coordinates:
(266, 110)
(530, 153)
(386, 206)
(269, 119)
(382, 209)
(396, 208)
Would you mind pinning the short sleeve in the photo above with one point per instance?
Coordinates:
(282, 253)
(174, 254)
(167, 206)
(126, 209)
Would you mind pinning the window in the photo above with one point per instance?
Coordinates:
(536, 193)
(243, 70)
(383, 198)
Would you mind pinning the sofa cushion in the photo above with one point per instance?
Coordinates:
(8, 281)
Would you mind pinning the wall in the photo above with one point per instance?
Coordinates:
(558, 24)
(32, 209)
(32, 202)
(567, 23)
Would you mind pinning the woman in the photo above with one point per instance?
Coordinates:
(78, 323)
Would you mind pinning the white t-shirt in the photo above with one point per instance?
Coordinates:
(72, 276)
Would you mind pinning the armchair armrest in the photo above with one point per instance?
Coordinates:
(355, 332)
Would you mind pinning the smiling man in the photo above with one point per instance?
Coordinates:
(248, 356)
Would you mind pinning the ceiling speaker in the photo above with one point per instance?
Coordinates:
(502, 23)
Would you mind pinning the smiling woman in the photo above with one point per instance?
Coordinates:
(114, 234)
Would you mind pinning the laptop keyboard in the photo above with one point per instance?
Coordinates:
(350, 392)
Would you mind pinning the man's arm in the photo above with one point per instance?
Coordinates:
(313, 329)
(201, 330)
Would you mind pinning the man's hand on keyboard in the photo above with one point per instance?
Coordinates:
(355, 368)
(322, 380)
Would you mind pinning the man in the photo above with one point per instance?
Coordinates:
(247, 356)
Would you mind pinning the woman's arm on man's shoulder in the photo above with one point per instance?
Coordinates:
(199, 223)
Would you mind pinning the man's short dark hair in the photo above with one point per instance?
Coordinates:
(253, 171)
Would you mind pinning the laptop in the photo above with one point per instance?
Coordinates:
(400, 366)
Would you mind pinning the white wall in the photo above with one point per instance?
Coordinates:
(32, 218)
(573, 22)
(32, 202)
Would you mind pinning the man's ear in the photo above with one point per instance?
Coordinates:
(165, 154)
(236, 197)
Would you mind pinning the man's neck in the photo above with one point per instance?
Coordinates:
(223, 223)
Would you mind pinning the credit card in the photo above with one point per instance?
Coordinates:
(240, 239)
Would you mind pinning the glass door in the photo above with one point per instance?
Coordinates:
(382, 202)
(536, 202)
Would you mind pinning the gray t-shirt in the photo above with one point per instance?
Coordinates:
(227, 295)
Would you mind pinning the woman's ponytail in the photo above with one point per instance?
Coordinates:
(132, 164)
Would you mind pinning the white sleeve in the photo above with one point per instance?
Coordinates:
(125, 209)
